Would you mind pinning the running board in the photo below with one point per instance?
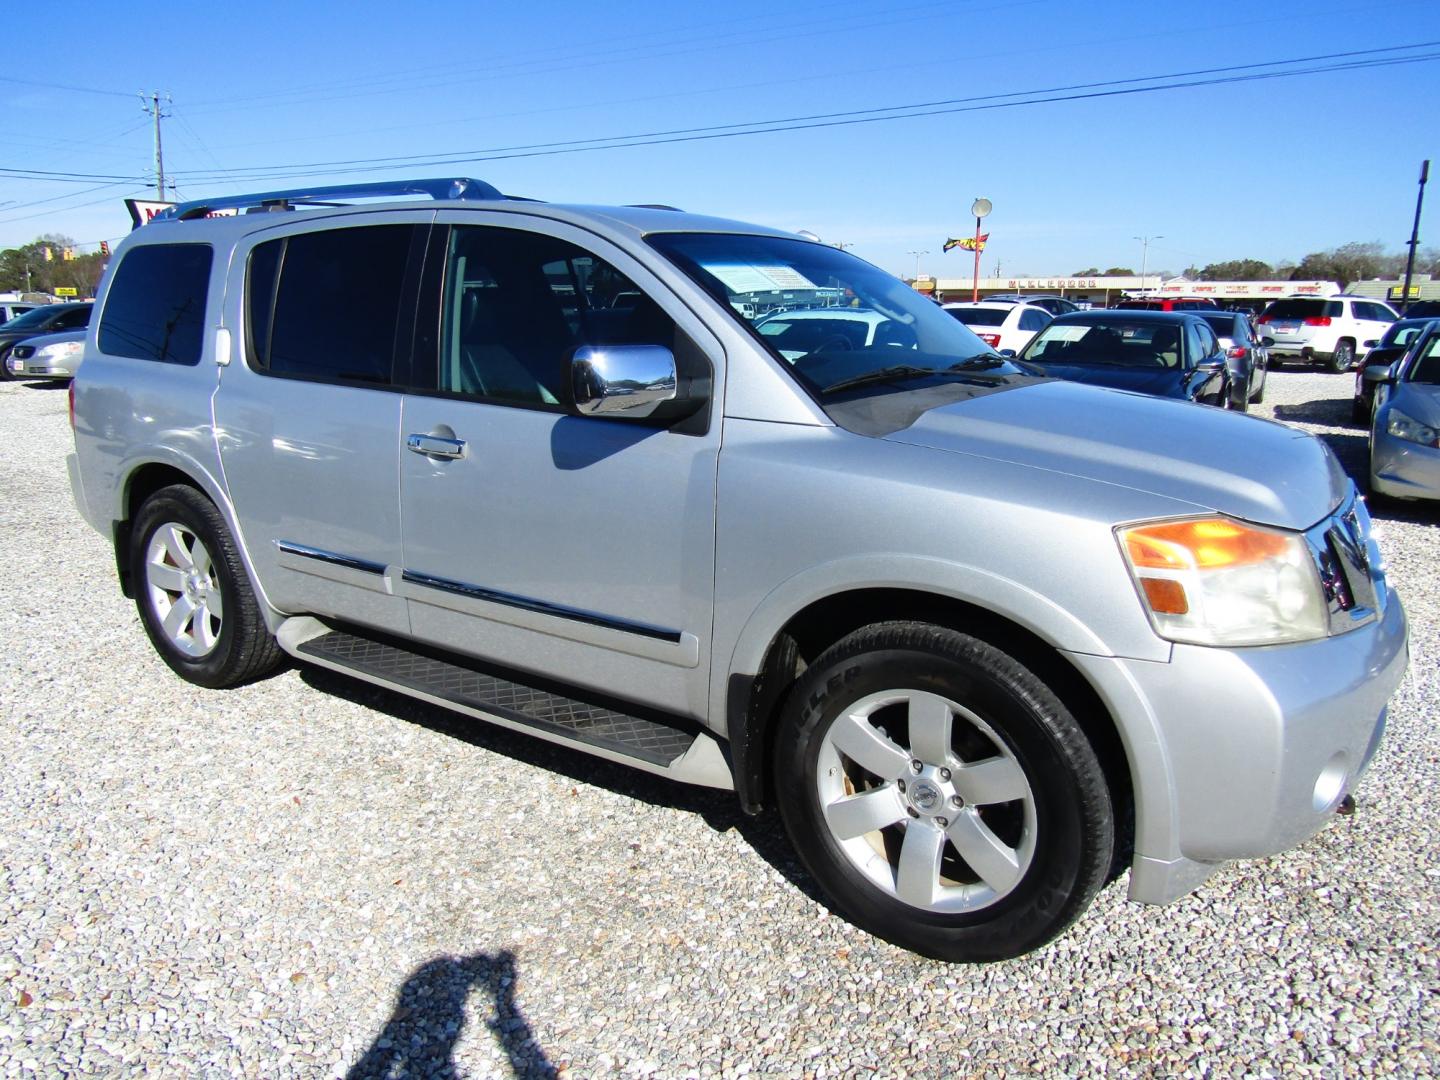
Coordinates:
(646, 744)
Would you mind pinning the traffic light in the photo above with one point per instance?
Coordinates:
(105, 248)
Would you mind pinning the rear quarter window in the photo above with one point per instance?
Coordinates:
(155, 309)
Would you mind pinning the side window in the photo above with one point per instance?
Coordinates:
(326, 305)
(155, 309)
(75, 319)
(1033, 320)
(1208, 341)
(516, 304)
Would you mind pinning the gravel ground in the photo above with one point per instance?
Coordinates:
(309, 877)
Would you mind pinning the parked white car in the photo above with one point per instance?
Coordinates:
(1331, 329)
(999, 324)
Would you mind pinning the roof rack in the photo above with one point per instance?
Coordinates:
(437, 188)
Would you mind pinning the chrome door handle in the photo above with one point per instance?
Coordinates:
(436, 446)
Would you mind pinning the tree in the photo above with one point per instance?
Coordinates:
(1092, 271)
(26, 268)
(1119, 271)
(1237, 270)
(1350, 262)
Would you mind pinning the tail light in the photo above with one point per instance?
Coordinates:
(1236, 352)
(1318, 320)
(72, 405)
(1262, 320)
(993, 340)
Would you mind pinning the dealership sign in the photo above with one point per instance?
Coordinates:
(143, 211)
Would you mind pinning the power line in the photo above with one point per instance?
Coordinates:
(63, 86)
(851, 117)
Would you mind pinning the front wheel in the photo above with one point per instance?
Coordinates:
(941, 795)
(193, 594)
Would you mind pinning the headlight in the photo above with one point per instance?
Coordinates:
(1216, 581)
(1410, 429)
(61, 350)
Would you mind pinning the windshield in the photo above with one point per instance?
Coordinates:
(1116, 343)
(836, 321)
(1401, 334)
(33, 318)
(1303, 309)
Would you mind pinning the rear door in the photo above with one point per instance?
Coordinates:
(577, 548)
(308, 413)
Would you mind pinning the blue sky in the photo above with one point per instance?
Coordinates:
(1268, 168)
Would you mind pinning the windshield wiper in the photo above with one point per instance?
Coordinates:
(885, 374)
(980, 363)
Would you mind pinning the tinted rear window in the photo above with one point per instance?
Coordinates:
(336, 308)
(1302, 309)
(155, 309)
(979, 316)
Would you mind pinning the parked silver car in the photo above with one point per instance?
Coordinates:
(47, 356)
(1405, 430)
(984, 638)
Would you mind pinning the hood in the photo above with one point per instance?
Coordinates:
(42, 339)
(1159, 382)
(1239, 465)
(1419, 401)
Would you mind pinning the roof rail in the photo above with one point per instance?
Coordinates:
(437, 188)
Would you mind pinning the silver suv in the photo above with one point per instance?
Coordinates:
(984, 639)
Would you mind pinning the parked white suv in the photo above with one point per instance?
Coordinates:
(1330, 329)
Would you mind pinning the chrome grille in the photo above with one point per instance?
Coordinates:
(1351, 569)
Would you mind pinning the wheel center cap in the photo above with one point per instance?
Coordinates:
(925, 796)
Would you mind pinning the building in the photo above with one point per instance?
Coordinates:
(1422, 287)
(1104, 291)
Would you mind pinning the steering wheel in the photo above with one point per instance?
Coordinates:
(838, 343)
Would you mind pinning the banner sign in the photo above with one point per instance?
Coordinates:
(143, 211)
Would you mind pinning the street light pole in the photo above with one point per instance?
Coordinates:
(1414, 236)
(980, 207)
(917, 255)
(1145, 256)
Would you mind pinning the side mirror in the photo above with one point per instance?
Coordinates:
(622, 382)
(1370, 344)
(1008, 352)
(1374, 374)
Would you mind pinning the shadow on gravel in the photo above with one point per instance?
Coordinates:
(1333, 411)
(419, 1038)
(718, 809)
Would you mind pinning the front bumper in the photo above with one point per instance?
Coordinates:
(1403, 469)
(1259, 745)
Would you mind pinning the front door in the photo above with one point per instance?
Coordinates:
(580, 549)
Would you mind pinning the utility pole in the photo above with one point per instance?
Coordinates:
(1414, 237)
(154, 108)
(917, 255)
(1145, 256)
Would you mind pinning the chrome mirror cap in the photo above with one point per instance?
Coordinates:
(627, 382)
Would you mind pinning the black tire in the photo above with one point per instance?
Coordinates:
(244, 649)
(1259, 395)
(1074, 827)
(1360, 412)
(1343, 358)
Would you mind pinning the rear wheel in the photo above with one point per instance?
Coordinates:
(1343, 358)
(193, 594)
(941, 795)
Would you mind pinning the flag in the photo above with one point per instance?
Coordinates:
(975, 243)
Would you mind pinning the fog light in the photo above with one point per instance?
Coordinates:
(1330, 784)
